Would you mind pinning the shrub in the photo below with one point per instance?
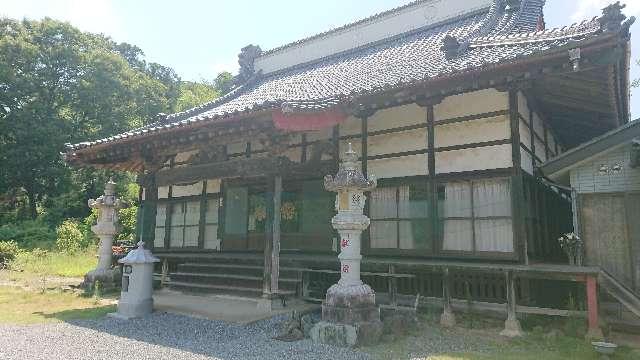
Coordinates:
(8, 251)
(28, 234)
(69, 237)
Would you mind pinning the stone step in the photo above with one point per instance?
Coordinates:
(231, 280)
(238, 269)
(221, 289)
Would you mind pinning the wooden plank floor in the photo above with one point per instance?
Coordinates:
(538, 270)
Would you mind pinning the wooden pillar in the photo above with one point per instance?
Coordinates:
(517, 192)
(511, 325)
(147, 218)
(594, 332)
(447, 319)
(272, 240)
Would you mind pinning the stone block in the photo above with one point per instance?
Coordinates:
(350, 315)
(345, 335)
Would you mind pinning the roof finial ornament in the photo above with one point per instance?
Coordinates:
(246, 58)
(450, 47)
(513, 5)
(612, 17)
(574, 58)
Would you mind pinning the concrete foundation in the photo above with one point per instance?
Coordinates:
(512, 329)
(447, 319)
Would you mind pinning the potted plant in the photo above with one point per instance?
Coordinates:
(573, 246)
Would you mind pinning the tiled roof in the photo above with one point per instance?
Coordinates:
(501, 34)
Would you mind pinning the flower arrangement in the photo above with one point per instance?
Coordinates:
(260, 213)
(573, 247)
(288, 211)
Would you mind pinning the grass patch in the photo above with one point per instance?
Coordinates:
(477, 338)
(18, 306)
(42, 262)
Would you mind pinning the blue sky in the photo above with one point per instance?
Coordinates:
(200, 38)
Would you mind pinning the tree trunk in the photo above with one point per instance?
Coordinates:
(33, 210)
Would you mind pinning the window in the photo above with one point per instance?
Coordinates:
(475, 216)
(399, 218)
(211, 240)
(160, 232)
(185, 224)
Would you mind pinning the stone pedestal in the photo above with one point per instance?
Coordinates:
(350, 316)
(105, 228)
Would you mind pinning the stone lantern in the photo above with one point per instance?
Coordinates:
(105, 228)
(136, 296)
(350, 316)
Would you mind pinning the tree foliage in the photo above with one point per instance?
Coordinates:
(60, 85)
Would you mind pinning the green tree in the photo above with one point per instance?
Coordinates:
(60, 85)
(194, 94)
(223, 82)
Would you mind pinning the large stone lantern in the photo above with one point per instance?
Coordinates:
(106, 228)
(349, 313)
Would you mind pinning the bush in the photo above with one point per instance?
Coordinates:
(8, 251)
(28, 234)
(69, 237)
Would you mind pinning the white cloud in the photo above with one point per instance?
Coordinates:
(589, 8)
(96, 16)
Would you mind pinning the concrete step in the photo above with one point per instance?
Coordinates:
(236, 269)
(187, 287)
(232, 280)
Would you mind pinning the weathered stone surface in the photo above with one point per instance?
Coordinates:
(344, 335)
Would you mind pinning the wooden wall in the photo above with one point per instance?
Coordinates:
(599, 175)
(609, 228)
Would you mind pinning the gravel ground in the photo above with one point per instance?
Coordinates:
(159, 336)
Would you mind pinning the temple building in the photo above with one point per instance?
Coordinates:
(452, 105)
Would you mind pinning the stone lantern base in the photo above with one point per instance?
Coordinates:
(109, 278)
(350, 317)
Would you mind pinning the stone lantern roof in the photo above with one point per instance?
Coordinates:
(349, 176)
(140, 255)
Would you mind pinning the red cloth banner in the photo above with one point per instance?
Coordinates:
(308, 121)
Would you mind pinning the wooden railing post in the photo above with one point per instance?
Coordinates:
(594, 332)
(447, 319)
(511, 325)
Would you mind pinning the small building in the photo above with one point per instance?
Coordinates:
(604, 175)
(450, 104)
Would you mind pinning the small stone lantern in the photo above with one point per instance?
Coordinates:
(106, 228)
(136, 296)
(350, 316)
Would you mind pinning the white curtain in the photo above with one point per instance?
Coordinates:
(458, 233)
(192, 224)
(383, 203)
(383, 234)
(161, 215)
(492, 198)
